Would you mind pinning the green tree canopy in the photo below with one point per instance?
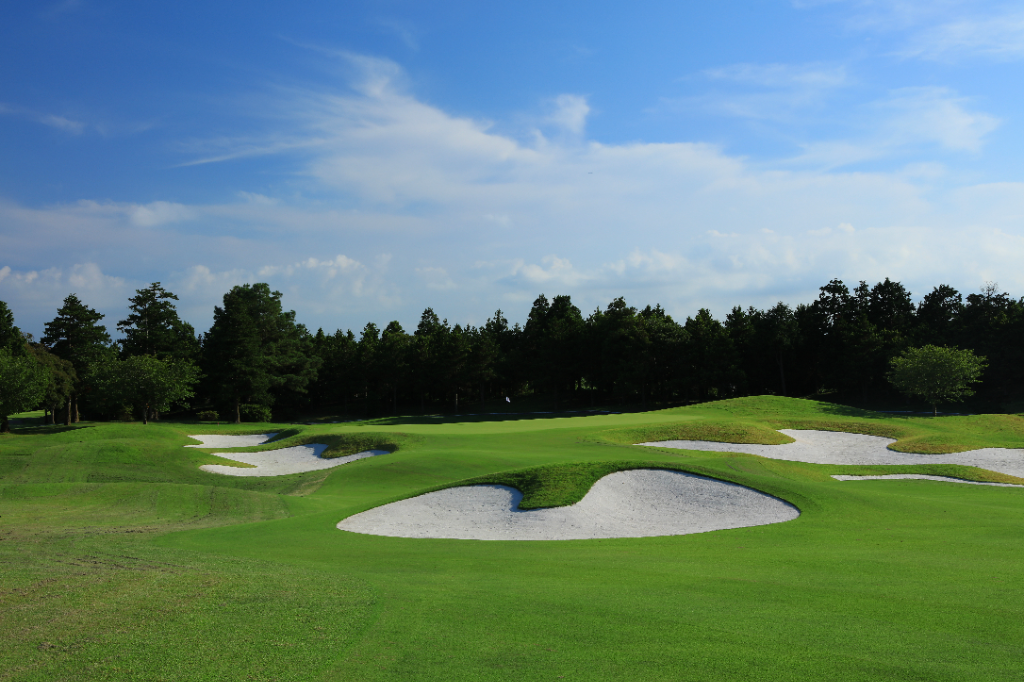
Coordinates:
(154, 328)
(77, 336)
(254, 348)
(144, 382)
(936, 374)
(22, 383)
(10, 336)
(60, 381)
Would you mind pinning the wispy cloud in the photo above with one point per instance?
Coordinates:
(773, 92)
(52, 120)
(403, 30)
(939, 30)
(998, 36)
(909, 118)
(816, 76)
(936, 115)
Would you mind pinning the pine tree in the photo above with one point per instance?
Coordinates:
(77, 336)
(255, 350)
(153, 328)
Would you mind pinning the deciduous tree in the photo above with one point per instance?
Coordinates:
(936, 374)
(145, 383)
(22, 383)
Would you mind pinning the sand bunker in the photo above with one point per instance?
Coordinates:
(294, 460)
(832, 447)
(231, 441)
(923, 477)
(626, 504)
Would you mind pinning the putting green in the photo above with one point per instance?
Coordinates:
(122, 560)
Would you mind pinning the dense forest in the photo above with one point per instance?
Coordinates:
(256, 357)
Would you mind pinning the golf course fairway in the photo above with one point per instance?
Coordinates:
(120, 559)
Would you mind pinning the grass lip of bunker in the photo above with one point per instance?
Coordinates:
(922, 477)
(624, 504)
(221, 441)
(296, 459)
(836, 447)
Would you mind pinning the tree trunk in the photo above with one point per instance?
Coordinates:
(238, 411)
(5, 426)
(782, 374)
(145, 414)
(394, 394)
(67, 416)
(75, 417)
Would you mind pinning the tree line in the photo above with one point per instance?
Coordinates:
(256, 357)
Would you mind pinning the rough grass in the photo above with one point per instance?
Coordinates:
(338, 445)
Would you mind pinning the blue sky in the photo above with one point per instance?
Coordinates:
(370, 159)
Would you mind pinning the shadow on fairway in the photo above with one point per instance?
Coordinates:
(484, 417)
(45, 430)
(839, 410)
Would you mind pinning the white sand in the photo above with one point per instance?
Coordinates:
(831, 447)
(923, 477)
(207, 441)
(626, 504)
(293, 460)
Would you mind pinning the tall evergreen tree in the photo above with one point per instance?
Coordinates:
(552, 337)
(428, 356)
(712, 361)
(393, 359)
(255, 350)
(938, 316)
(77, 336)
(337, 377)
(10, 336)
(154, 328)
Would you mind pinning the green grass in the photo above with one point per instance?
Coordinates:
(120, 559)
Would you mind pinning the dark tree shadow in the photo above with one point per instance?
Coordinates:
(484, 417)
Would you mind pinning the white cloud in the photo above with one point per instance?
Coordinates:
(908, 118)
(570, 113)
(436, 278)
(42, 291)
(940, 30)
(682, 224)
(555, 270)
(936, 115)
(1000, 37)
(159, 213)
